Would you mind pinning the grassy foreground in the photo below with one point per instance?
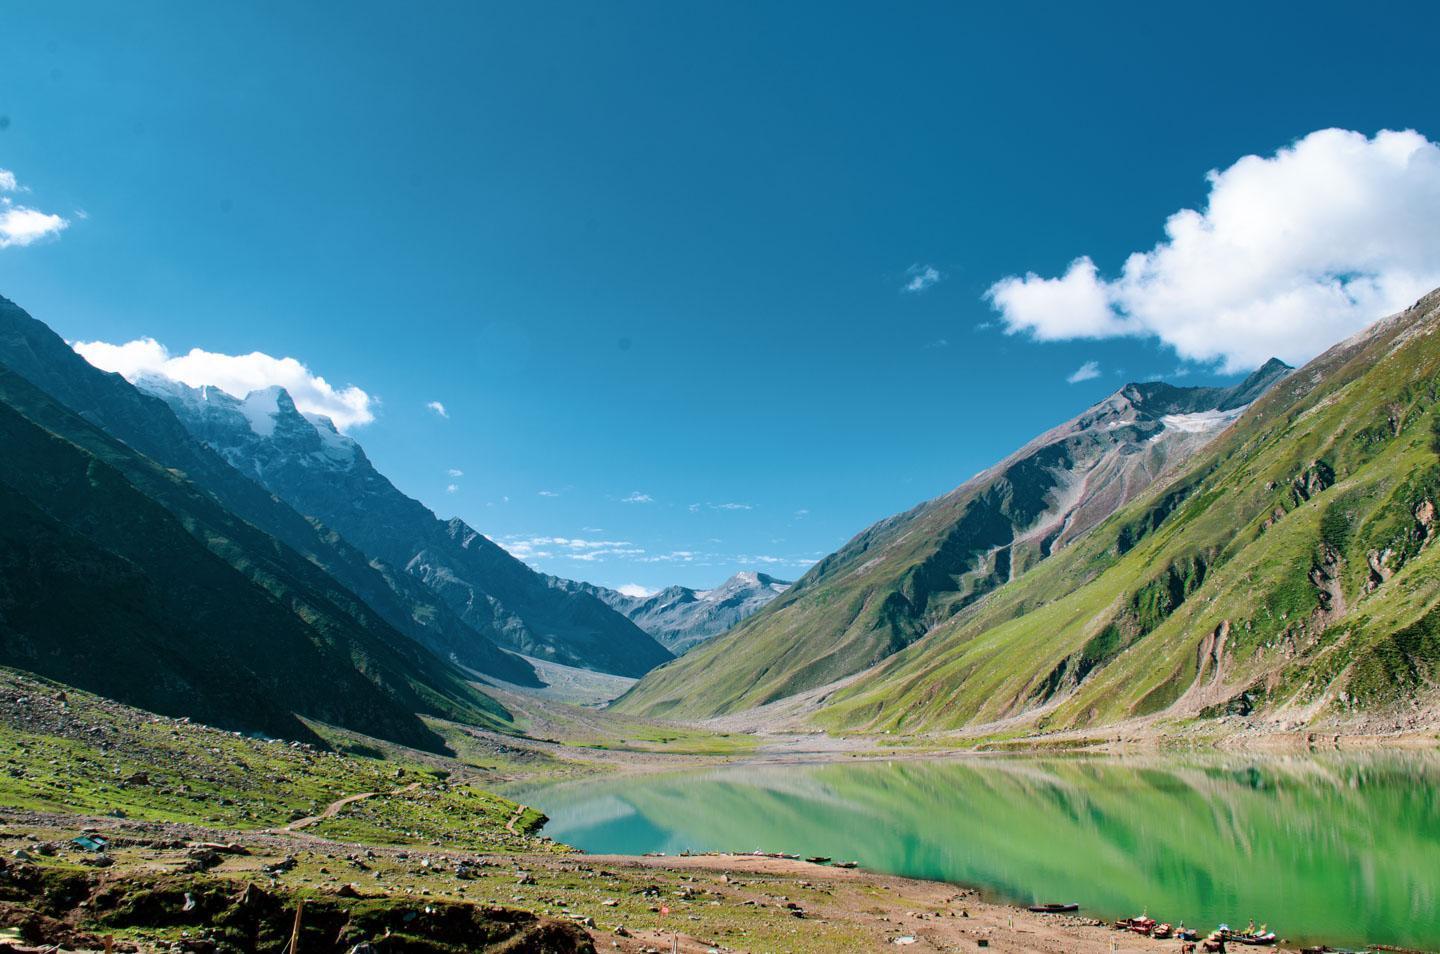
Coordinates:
(213, 840)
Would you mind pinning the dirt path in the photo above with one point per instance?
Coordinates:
(335, 807)
(510, 822)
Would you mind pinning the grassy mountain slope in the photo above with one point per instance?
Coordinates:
(908, 574)
(1287, 572)
(122, 577)
(30, 349)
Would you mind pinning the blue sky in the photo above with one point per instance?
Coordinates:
(704, 281)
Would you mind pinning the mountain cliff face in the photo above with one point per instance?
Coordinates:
(323, 474)
(910, 573)
(120, 576)
(1286, 576)
(682, 618)
(34, 352)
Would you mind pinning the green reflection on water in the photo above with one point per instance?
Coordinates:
(1341, 848)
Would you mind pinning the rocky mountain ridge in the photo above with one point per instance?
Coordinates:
(682, 618)
(306, 462)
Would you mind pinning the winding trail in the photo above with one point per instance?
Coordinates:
(335, 807)
(514, 817)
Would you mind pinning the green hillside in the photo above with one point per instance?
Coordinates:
(121, 577)
(908, 574)
(1285, 572)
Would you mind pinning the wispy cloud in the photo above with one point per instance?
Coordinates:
(937, 343)
(456, 472)
(235, 374)
(636, 497)
(451, 488)
(21, 225)
(547, 493)
(728, 505)
(920, 277)
(438, 408)
(1087, 371)
(573, 548)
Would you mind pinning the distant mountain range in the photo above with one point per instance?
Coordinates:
(682, 618)
(1262, 552)
(907, 574)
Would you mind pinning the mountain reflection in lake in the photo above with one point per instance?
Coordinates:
(1342, 848)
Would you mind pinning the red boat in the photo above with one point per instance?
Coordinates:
(1139, 925)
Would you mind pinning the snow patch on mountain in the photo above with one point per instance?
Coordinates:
(1202, 421)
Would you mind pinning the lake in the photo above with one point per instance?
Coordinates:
(1341, 848)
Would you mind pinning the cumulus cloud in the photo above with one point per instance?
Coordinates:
(235, 374)
(438, 408)
(1290, 253)
(1086, 372)
(19, 224)
(920, 277)
(456, 472)
(637, 497)
(636, 590)
(452, 488)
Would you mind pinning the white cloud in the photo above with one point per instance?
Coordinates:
(637, 497)
(636, 590)
(456, 472)
(235, 374)
(1086, 372)
(438, 408)
(1291, 253)
(920, 277)
(21, 225)
(547, 493)
(573, 548)
(451, 488)
(937, 343)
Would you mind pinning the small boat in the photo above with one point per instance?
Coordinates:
(1250, 936)
(818, 860)
(1162, 931)
(845, 864)
(1186, 934)
(1054, 907)
(1257, 939)
(1144, 924)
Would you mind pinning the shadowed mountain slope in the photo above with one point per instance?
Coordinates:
(30, 349)
(121, 576)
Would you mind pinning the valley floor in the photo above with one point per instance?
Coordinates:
(380, 838)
